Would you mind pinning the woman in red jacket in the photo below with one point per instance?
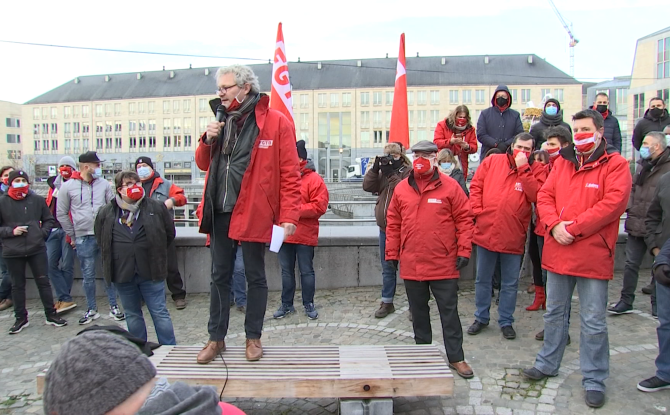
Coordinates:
(456, 133)
(314, 203)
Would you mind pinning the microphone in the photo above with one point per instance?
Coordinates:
(220, 117)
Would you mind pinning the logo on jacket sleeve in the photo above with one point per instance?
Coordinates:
(438, 201)
(265, 144)
(592, 186)
(518, 187)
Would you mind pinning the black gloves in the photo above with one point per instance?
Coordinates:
(376, 165)
(394, 263)
(662, 275)
(387, 169)
(461, 262)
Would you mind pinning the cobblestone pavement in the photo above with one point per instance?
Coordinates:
(346, 317)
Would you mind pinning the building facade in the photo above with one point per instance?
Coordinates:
(11, 151)
(617, 91)
(342, 109)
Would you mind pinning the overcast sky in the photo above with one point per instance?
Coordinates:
(313, 30)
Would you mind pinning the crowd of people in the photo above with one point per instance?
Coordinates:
(556, 192)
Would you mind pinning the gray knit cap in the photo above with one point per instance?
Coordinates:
(94, 373)
(67, 161)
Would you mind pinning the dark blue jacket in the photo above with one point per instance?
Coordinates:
(497, 128)
(612, 133)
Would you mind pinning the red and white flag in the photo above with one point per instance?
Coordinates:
(280, 95)
(399, 131)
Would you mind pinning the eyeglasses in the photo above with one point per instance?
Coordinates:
(128, 185)
(224, 89)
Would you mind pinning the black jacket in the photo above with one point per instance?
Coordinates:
(457, 174)
(159, 229)
(32, 212)
(647, 176)
(612, 134)
(657, 222)
(496, 128)
(538, 129)
(646, 125)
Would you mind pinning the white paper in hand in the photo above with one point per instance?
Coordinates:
(277, 238)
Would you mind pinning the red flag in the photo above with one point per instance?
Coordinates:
(399, 131)
(280, 96)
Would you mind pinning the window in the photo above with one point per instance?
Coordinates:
(132, 142)
(13, 139)
(187, 141)
(365, 99)
(54, 128)
(175, 106)
(304, 101)
(434, 97)
(166, 125)
(45, 128)
(98, 129)
(84, 111)
(411, 119)
(365, 139)
(365, 119)
(202, 104)
(152, 126)
(13, 122)
(421, 97)
(558, 94)
(54, 113)
(117, 109)
(377, 119)
(108, 110)
(152, 107)
(203, 124)
(143, 142)
(388, 119)
(513, 93)
(453, 96)
(389, 97)
(412, 137)
(152, 142)
(108, 128)
(434, 117)
(76, 128)
(84, 144)
(36, 113)
(378, 137)
(525, 95)
(346, 99)
(166, 107)
(467, 96)
(377, 98)
(67, 112)
(85, 128)
(480, 98)
(663, 94)
(45, 113)
(423, 115)
(663, 58)
(142, 125)
(108, 143)
(75, 111)
(639, 105)
(140, 107)
(36, 129)
(67, 129)
(75, 145)
(167, 142)
(334, 100)
(45, 145)
(187, 125)
(98, 110)
(186, 105)
(176, 125)
(304, 121)
(117, 143)
(410, 97)
(322, 100)
(177, 141)
(54, 145)
(37, 145)
(117, 128)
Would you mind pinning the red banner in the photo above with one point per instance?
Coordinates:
(399, 131)
(280, 95)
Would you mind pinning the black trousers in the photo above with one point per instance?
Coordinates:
(39, 265)
(446, 297)
(534, 253)
(223, 250)
(174, 281)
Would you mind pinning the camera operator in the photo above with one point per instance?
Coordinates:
(386, 172)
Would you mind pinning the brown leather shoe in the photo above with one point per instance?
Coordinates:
(254, 350)
(210, 351)
(6, 304)
(463, 369)
(384, 310)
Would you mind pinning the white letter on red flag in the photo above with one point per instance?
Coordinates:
(280, 96)
(399, 131)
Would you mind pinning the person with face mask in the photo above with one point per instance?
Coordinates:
(552, 116)
(79, 200)
(580, 205)
(386, 172)
(501, 194)
(457, 134)
(612, 131)
(498, 125)
(5, 279)
(134, 233)
(430, 261)
(59, 245)
(172, 196)
(25, 223)
(448, 164)
(653, 164)
(656, 118)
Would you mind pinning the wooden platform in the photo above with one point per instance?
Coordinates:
(360, 372)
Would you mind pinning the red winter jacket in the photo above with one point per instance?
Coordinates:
(314, 195)
(427, 231)
(501, 197)
(270, 190)
(442, 139)
(594, 197)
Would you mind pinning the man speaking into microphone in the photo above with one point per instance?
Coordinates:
(252, 183)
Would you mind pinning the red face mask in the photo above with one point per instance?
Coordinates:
(134, 192)
(422, 165)
(66, 172)
(5, 181)
(461, 122)
(584, 142)
(18, 193)
(515, 152)
(553, 152)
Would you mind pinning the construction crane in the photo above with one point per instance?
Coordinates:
(573, 40)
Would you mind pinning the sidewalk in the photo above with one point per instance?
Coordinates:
(346, 317)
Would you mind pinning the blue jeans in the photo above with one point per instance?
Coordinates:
(153, 293)
(239, 286)
(594, 353)
(663, 332)
(389, 277)
(6, 282)
(61, 264)
(88, 253)
(287, 257)
(510, 265)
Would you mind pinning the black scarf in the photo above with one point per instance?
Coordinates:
(230, 128)
(551, 120)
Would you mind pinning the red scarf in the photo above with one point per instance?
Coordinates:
(605, 114)
(18, 193)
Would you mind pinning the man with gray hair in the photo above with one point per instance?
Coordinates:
(252, 183)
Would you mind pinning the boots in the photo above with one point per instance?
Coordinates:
(540, 300)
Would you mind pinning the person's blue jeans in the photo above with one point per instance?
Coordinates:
(594, 353)
(663, 332)
(6, 282)
(88, 253)
(389, 277)
(239, 286)
(287, 257)
(510, 265)
(153, 293)
(61, 264)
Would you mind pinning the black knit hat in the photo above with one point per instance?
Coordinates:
(17, 173)
(94, 373)
(302, 151)
(555, 101)
(146, 160)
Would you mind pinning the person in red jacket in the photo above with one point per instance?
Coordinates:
(172, 196)
(430, 261)
(314, 204)
(456, 133)
(580, 205)
(252, 184)
(501, 194)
